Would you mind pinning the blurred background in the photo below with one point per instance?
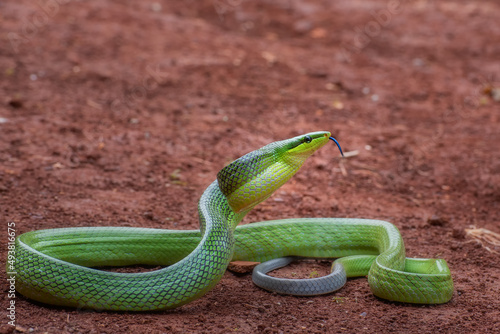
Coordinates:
(122, 112)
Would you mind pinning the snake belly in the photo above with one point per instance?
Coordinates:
(54, 266)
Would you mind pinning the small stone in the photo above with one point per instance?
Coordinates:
(242, 267)
(269, 57)
(302, 26)
(418, 62)
(495, 94)
(437, 221)
(338, 105)
(7, 329)
(21, 329)
(458, 234)
(156, 7)
(16, 103)
(319, 33)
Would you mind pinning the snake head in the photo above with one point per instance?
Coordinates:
(252, 178)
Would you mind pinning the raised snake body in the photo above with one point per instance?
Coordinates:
(53, 266)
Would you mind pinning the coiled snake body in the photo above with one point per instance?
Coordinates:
(53, 266)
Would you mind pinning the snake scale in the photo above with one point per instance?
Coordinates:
(55, 266)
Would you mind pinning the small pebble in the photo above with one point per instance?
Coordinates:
(7, 329)
(458, 233)
(302, 26)
(417, 62)
(156, 7)
(319, 33)
(16, 104)
(242, 267)
(495, 94)
(437, 221)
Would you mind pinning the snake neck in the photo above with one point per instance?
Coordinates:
(215, 211)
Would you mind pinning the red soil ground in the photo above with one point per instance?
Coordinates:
(122, 112)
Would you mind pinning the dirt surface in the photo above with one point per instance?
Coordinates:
(122, 112)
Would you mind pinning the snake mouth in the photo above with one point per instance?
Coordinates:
(305, 145)
(307, 139)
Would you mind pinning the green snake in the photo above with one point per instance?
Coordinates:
(55, 266)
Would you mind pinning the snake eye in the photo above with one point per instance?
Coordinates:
(307, 139)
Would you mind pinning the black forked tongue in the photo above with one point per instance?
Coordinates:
(338, 145)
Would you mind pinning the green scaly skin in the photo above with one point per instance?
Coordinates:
(52, 265)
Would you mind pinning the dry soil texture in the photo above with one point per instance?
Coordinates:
(122, 112)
